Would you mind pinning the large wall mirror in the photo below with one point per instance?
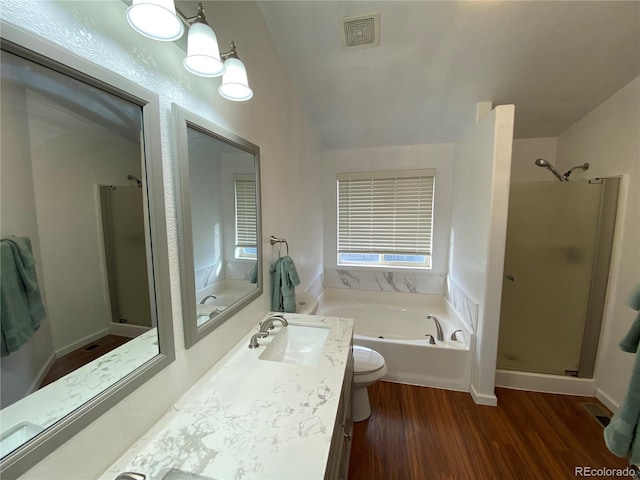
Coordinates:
(219, 223)
(85, 282)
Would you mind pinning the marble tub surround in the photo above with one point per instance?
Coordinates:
(386, 281)
(249, 418)
(466, 307)
(49, 404)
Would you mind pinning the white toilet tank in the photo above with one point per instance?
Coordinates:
(306, 304)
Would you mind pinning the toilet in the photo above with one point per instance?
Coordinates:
(368, 365)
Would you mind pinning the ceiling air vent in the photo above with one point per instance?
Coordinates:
(361, 31)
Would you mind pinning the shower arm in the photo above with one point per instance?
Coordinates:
(584, 166)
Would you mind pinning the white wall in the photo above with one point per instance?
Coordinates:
(607, 138)
(21, 369)
(438, 156)
(481, 174)
(68, 163)
(290, 166)
(207, 223)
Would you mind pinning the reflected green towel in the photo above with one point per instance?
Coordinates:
(634, 298)
(620, 435)
(253, 274)
(284, 279)
(21, 310)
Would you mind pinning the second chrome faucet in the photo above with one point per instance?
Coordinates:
(439, 332)
(265, 326)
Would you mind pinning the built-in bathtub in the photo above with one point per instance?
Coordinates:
(396, 325)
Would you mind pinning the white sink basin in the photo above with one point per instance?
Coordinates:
(298, 344)
(17, 435)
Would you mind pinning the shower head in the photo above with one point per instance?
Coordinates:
(584, 166)
(541, 162)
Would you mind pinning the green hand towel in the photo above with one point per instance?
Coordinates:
(284, 279)
(620, 435)
(634, 298)
(21, 310)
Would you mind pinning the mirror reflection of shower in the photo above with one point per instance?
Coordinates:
(136, 179)
(541, 162)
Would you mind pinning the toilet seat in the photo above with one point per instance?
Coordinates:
(366, 360)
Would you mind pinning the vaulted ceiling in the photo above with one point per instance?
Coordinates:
(555, 60)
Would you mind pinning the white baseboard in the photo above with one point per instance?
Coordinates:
(42, 373)
(483, 398)
(538, 382)
(426, 381)
(81, 343)
(127, 330)
(608, 402)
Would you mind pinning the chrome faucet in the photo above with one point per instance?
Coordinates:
(207, 298)
(439, 332)
(453, 335)
(253, 343)
(431, 340)
(268, 323)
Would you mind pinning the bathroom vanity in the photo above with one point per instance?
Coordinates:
(262, 413)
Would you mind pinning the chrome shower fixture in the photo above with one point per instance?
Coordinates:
(541, 162)
(584, 166)
(135, 179)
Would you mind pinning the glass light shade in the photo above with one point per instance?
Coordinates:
(203, 55)
(235, 85)
(155, 19)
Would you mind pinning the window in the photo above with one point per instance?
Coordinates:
(385, 218)
(245, 197)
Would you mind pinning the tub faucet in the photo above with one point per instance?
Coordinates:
(453, 335)
(439, 332)
(207, 298)
(431, 340)
(253, 343)
(268, 323)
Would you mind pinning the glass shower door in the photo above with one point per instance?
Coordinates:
(123, 227)
(551, 241)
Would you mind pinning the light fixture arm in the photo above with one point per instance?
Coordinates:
(198, 18)
(231, 53)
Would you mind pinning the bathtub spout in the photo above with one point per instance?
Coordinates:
(439, 332)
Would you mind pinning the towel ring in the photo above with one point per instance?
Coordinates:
(279, 241)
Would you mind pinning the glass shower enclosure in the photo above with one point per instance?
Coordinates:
(558, 251)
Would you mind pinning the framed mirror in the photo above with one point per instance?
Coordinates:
(219, 223)
(86, 313)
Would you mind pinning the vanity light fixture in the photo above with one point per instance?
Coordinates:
(235, 85)
(156, 19)
(203, 55)
(160, 20)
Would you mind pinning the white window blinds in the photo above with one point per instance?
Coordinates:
(386, 213)
(245, 193)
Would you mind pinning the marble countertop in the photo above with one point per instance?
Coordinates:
(249, 418)
(49, 404)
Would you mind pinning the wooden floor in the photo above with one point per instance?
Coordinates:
(83, 355)
(425, 433)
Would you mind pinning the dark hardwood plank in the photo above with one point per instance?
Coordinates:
(426, 433)
(83, 355)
